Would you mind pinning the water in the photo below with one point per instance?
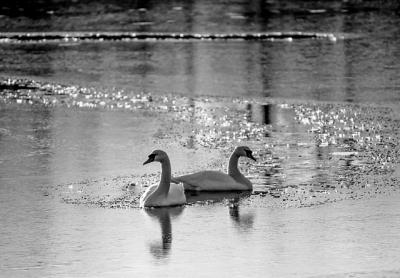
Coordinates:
(360, 65)
(79, 241)
(310, 69)
(321, 116)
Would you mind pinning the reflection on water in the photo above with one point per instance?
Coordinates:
(285, 137)
(263, 113)
(280, 117)
(161, 250)
(178, 15)
(355, 69)
(243, 222)
(204, 197)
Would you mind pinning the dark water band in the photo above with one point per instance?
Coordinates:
(113, 36)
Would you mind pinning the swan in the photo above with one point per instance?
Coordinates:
(163, 194)
(218, 181)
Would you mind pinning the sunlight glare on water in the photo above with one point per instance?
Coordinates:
(70, 163)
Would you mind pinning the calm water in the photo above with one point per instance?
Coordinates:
(85, 242)
(361, 65)
(321, 116)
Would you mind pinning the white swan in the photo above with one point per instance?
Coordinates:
(163, 194)
(218, 181)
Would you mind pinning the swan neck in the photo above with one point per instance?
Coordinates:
(165, 181)
(233, 170)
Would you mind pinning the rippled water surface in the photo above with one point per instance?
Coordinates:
(318, 104)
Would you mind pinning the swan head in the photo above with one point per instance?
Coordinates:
(157, 155)
(245, 151)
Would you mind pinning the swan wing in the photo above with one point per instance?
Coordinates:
(176, 195)
(147, 194)
(209, 181)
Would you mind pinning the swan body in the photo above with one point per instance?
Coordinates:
(210, 181)
(218, 181)
(163, 194)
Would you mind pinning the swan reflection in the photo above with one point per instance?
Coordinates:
(161, 249)
(204, 197)
(243, 221)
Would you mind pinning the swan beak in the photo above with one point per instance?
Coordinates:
(151, 159)
(249, 155)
